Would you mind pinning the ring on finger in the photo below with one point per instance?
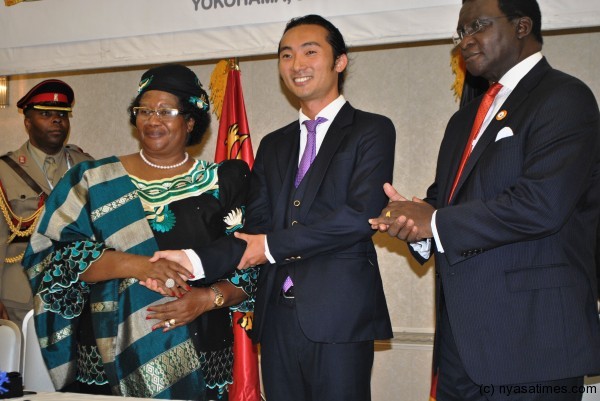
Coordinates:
(171, 322)
(167, 324)
(170, 283)
(388, 214)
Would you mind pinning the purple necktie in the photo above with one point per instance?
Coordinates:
(310, 151)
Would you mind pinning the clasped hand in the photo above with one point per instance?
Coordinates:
(407, 220)
(255, 250)
(178, 275)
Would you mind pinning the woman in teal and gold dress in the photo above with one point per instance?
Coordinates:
(93, 246)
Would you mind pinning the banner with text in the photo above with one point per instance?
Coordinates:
(50, 35)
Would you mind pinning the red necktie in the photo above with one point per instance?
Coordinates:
(484, 107)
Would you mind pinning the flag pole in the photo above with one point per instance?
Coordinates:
(233, 142)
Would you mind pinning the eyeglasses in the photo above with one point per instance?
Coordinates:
(476, 26)
(164, 114)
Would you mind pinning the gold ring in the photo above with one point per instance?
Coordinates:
(172, 322)
(388, 214)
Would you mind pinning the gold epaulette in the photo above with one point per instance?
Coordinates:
(17, 225)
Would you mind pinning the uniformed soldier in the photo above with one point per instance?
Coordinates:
(27, 176)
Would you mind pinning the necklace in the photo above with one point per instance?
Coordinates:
(148, 162)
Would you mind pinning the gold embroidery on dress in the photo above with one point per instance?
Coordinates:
(109, 207)
(108, 306)
(56, 337)
(126, 283)
(162, 372)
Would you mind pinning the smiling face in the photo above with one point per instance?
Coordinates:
(307, 68)
(47, 129)
(163, 138)
(498, 46)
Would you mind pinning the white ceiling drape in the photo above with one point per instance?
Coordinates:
(55, 35)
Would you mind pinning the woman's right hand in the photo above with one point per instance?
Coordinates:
(116, 264)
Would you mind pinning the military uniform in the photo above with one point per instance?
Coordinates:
(21, 202)
(15, 291)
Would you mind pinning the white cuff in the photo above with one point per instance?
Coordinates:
(270, 257)
(198, 269)
(436, 237)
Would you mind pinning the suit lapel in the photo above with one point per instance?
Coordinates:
(457, 149)
(512, 103)
(339, 128)
(486, 138)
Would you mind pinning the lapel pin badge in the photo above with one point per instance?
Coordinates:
(22, 159)
(501, 115)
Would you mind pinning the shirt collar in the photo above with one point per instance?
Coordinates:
(515, 74)
(329, 112)
(40, 156)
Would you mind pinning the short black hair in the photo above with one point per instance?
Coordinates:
(525, 8)
(334, 38)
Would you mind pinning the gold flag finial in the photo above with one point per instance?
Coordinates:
(234, 64)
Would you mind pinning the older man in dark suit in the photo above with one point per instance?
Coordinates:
(513, 215)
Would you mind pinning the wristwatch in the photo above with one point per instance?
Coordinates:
(219, 300)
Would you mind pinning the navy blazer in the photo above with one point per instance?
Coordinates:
(328, 249)
(518, 270)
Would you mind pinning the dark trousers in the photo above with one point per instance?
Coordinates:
(455, 385)
(297, 369)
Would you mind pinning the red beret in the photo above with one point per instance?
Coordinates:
(51, 94)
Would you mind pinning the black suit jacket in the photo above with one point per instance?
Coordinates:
(328, 249)
(518, 270)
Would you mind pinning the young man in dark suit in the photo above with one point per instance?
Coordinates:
(512, 216)
(320, 303)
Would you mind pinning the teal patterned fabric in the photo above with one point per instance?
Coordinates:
(246, 280)
(90, 369)
(202, 178)
(61, 290)
(179, 214)
(95, 207)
